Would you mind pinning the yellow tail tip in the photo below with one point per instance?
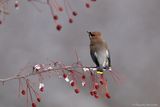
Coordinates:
(99, 72)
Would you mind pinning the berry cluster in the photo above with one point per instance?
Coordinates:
(76, 75)
(57, 8)
(29, 91)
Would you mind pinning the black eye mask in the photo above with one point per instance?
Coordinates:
(90, 34)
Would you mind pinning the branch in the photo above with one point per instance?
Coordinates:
(56, 8)
(76, 74)
(18, 76)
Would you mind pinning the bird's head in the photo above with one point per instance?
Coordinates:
(94, 35)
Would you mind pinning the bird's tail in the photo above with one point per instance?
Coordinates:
(101, 70)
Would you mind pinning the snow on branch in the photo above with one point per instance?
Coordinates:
(76, 75)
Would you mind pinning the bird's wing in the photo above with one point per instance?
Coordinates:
(102, 57)
(94, 58)
(109, 59)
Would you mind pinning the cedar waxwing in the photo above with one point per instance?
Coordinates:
(99, 52)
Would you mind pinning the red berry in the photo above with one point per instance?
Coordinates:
(91, 92)
(72, 83)
(83, 77)
(77, 91)
(101, 82)
(16, 5)
(34, 105)
(60, 9)
(96, 96)
(94, 92)
(59, 27)
(74, 13)
(38, 99)
(71, 71)
(23, 92)
(42, 89)
(55, 17)
(94, 0)
(108, 96)
(87, 5)
(70, 20)
(96, 85)
(64, 76)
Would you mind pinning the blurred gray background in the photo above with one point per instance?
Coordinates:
(131, 28)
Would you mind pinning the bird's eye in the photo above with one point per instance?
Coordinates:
(92, 35)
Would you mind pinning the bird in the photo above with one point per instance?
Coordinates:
(99, 52)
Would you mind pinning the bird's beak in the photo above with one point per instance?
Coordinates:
(89, 34)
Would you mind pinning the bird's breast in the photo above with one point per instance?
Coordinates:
(97, 47)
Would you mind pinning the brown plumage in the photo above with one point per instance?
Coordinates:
(99, 51)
